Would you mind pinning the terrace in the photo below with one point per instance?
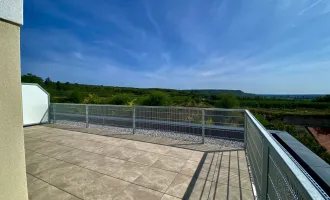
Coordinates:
(122, 152)
(135, 152)
(75, 165)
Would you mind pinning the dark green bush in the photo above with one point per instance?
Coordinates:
(157, 98)
(227, 101)
(120, 99)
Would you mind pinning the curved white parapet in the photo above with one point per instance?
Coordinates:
(35, 104)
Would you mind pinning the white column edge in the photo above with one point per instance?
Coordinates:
(12, 11)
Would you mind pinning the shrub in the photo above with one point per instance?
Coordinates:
(227, 101)
(120, 99)
(157, 98)
(75, 97)
(92, 99)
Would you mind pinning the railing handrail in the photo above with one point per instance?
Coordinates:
(178, 107)
(301, 177)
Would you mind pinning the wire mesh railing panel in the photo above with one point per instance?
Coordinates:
(275, 174)
(281, 182)
(118, 116)
(68, 112)
(172, 119)
(254, 150)
(230, 121)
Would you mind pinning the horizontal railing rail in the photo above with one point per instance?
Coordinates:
(276, 175)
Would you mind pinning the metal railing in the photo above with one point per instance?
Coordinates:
(276, 175)
(205, 122)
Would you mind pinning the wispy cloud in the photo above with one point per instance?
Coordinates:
(310, 6)
(153, 21)
(250, 45)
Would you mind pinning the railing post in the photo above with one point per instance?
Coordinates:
(203, 126)
(133, 116)
(87, 124)
(54, 113)
(265, 169)
(245, 129)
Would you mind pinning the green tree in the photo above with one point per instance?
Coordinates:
(120, 99)
(157, 98)
(323, 99)
(227, 101)
(48, 82)
(92, 99)
(75, 97)
(30, 78)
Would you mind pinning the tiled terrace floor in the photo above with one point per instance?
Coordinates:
(64, 164)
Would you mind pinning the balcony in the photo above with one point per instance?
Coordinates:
(135, 152)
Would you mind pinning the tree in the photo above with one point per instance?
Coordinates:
(227, 101)
(48, 81)
(323, 99)
(75, 97)
(120, 99)
(30, 78)
(92, 99)
(157, 98)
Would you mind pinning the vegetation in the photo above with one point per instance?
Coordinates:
(80, 93)
(267, 109)
(323, 99)
(302, 136)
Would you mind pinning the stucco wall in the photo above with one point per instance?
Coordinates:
(12, 156)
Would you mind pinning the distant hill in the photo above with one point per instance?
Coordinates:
(292, 96)
(219, 91)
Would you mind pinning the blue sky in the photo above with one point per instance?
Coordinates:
(258, 46)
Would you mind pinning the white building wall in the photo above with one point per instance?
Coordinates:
(12, 10)
(35, 104)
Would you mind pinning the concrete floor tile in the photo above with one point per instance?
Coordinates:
(169, 163)
(135, 192)
(199, 189)
(70, 178)
(122, 153)
(169, 197)
(234, 178)
(129, 171)
(234, 193)
(50, 192)
(104, 188)
(34, 183)
(223, 160)
(218, 191)
(221, 176)
(146, 158)
(179, 153)
(36, 144)
(189, 168)
(179, 186)
(156, 179)
(53, 150)
(196, 156)
(42, 164)
(155, 148)
(247, 194)
(245, 180)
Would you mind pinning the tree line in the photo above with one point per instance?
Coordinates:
(90, 94)
(80, 93)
